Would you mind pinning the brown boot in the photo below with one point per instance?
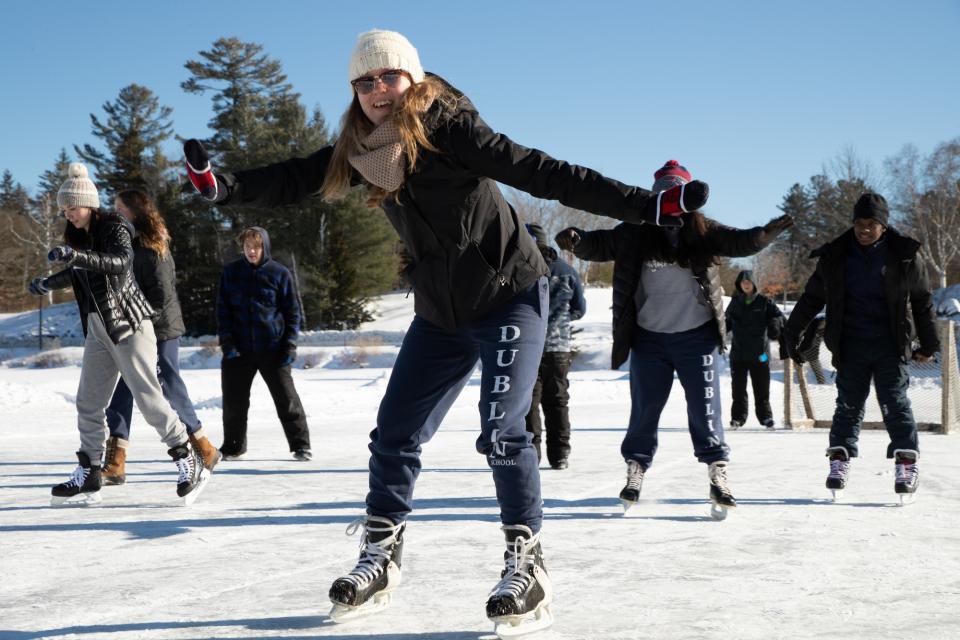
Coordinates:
(115, 462)
(209, 453)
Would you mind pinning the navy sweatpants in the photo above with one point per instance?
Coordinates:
(654, 357)
(120, 411)
(432, 367)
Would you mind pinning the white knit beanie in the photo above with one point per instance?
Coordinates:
(78, 190)
(378, 49)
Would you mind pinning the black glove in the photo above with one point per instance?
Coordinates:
(199, 170)
(63, 253)
(777, 226)
(568, 239)
(793, 349)
(38, 287)
(229, 351)
(289, 355)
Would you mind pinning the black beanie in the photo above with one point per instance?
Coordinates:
(872, 205)
(539, 235)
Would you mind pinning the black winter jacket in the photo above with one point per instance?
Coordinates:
(905, 284)
(470, 251)
(101, 274)
(753, 325)
(625, 245)
(158, 280)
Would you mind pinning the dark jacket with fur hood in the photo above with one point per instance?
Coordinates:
(470, 251)
(629, 246)
(101, 274)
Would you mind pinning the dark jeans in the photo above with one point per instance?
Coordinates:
(432, 367)
(236, 377)
(654, 357)
(760, 379)
(120, 411)
(860, 361)
(552, 391)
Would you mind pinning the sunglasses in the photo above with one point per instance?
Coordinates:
(367, 84)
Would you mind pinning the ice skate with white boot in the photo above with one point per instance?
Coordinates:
(83, 487)
(907, 475)
(839, 471)
(519, 604)
(369, 587)
(721, 500)
(630, 494)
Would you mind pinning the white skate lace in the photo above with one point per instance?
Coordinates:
(519, 568)
(907, 472)
(718, 477)
(184, 468)
(78, 477)
(374, 556)
(634, 475)
(840, 468)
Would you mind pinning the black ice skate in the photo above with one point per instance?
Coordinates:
(769, 424)
(85, 482)
(720, 497)
(520, 603)
(192, 476)
(369, 587)
(839, 470)
(630, 493)
(907, 474)
(736, 424)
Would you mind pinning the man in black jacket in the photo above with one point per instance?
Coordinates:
(877, 299)
(753, 320)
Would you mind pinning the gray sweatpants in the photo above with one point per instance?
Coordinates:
(135, 358)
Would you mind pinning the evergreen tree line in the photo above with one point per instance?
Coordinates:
(340, 253)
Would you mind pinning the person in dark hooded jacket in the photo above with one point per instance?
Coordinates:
(427, 158)
(668, 318)
(258, 318)
(552, 387)
(752, 320)
(872, 284)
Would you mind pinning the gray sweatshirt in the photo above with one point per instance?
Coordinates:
(669, 299)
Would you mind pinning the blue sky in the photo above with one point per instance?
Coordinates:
(750, 96)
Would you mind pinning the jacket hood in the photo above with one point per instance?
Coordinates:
(266, 245)
(747, 274)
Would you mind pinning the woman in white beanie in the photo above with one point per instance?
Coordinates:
(431, 163)
(97, 259)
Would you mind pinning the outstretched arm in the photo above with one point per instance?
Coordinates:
(740, 243)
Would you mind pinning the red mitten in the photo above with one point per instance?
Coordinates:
(199, 170)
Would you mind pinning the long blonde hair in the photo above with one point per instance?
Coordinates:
(147, 221)
(407, 115)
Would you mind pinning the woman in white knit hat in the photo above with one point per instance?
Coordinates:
(431, 163)
(96, 260)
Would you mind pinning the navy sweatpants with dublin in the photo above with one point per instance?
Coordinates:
(120, 411)
(431, 369)
(654, 357)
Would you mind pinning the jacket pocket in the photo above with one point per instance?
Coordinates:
(475, 283)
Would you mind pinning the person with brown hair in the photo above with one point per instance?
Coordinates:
(97, 260)
(428, 159)
(155, 273)
(668, 318)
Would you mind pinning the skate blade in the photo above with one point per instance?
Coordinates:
(627, 505)
(718, 511)
(520, 626)
(341, 613)
(836, 495)
(191, 497)
(907, 498)
(91, 499)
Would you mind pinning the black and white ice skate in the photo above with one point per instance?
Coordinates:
(839, 471)
(83, 487)
(721, 500)
(192, 476)
(769, 424)
(520, 603)
(630, 494)
(736, 424)
(369, 587)
(907, 475)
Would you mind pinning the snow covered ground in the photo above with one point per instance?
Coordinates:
(254, 557)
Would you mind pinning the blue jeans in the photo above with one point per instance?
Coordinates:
(654, 357)
(861, 360)
(120, 411)
(431, 369)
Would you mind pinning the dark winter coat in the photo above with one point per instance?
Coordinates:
(905, 285)
(158, 280)
(470, 251)
(629, 246)
(566, 302)
(101, 274)
(257, 306)
(752, 325)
